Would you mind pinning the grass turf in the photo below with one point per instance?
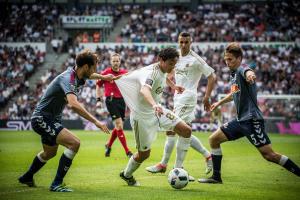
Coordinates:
(246, 175)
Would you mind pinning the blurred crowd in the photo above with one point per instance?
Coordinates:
(253, 22)
(277, 69)
(38, 22)
(16, 65)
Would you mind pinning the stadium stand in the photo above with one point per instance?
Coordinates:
(215, 22)
(278, 68)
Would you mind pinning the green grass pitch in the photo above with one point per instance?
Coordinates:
(246, 174)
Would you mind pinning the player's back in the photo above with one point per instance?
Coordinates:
(131, 84)
(54, 99)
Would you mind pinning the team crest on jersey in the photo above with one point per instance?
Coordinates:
(149, 82)
(234, 88)
(73, 87)
(159, 90)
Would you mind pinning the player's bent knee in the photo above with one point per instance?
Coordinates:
(143, 155)
(48, 155)
(75, 145)
(183, 130)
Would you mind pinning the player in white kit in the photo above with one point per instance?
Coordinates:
(142, 91)
(188, 71)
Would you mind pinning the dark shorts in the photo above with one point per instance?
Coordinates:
(47, 128)
(253, 129)
(116, 107)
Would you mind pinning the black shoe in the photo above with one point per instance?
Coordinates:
(107, 151)
(212, 180)
(27, 181)
(130, 181)
(129, 154)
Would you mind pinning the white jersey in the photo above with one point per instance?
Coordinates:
(188, 72)
(131, 84)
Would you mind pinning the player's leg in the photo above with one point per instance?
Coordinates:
(183, 143)
(187, 114)
(168, 148)
(38, 162)
(133, 164)
(215, 141)
(72, 144)
(108, 145)
(145, 131)
(268, 153)
(112, 111)
(48, 131)
(121, 107)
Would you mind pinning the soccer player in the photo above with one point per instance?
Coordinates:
(249, 121)
(46, 119)
(114, 103)
(142, 91)
(188, 72)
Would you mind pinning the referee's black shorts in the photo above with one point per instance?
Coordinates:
(116, 107)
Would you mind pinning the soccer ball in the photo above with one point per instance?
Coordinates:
(178, 178)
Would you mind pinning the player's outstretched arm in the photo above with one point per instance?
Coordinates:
(108, 77)
(146, 92)
(250, 76)
(226, 99)
(79, 109)
(211, 79)
(99, 95)
(172, 85)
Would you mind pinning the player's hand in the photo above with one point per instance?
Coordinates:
(206, 103)
(99, 104)
(158, 110)
(179, 89)
(214, 106)
(117, 77)
(250, 77)
(108, 77)
(103, 127)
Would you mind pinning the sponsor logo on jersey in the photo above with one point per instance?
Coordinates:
(159, 90)
(234, 88)
(149, 82)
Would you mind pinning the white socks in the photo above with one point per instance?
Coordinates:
(198, 146)
(182, 147)
(217, 152)
(40, 157)
(69, 153)
(132, 165)
(283, 160)
(169, 146)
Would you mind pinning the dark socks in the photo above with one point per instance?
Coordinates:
(216, 159)
(292, 167)
(63, 167)
(34, 168)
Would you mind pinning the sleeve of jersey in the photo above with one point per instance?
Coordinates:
(204, 67)
(67, 86)
(243, 69)
(151, 78)
(130, 86)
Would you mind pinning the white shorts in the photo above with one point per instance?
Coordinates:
(185, 112)
(145, 128)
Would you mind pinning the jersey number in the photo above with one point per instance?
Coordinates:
(170, 116)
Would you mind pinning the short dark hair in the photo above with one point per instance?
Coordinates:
(185, 34)
(235, 49)
(168, 53)
(86, 57)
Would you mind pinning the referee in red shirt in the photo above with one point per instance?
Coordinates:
(114, 102)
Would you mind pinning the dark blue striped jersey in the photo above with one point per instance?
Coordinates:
(244, 95)
(54, 99)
